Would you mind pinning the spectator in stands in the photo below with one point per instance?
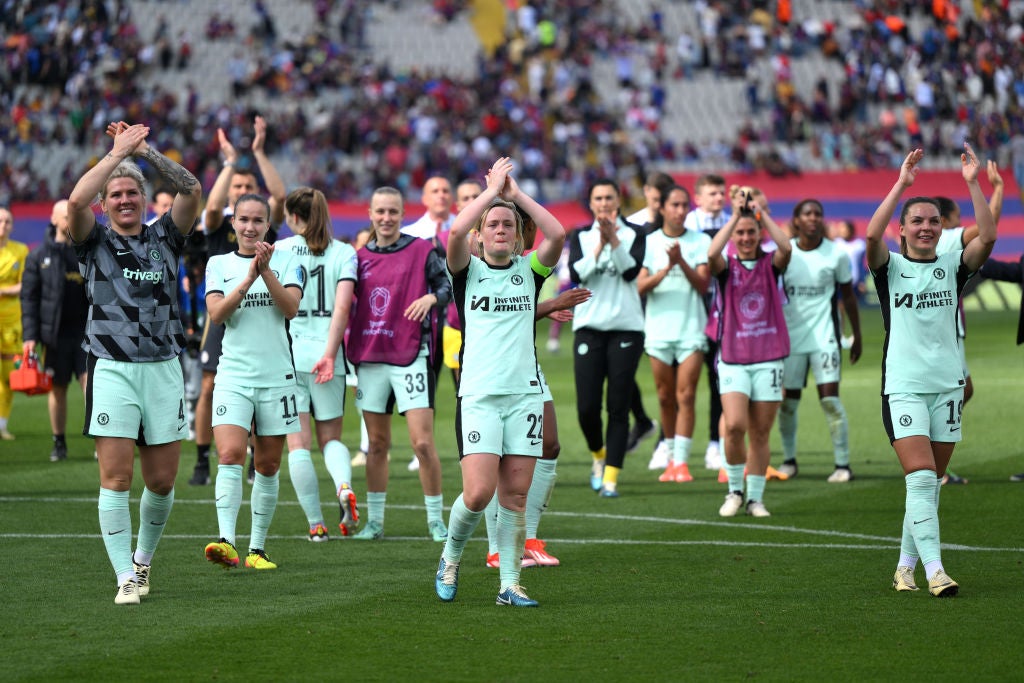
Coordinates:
(53, 310)
(12, 268)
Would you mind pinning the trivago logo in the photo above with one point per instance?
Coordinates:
(154, 276)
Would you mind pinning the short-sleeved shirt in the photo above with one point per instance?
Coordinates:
(256, 351)
(132, 286)
(919, 310)
(810, 283)
(322, 274)
(497, 307)
(675, 310)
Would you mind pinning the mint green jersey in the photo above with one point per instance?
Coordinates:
(321, 274)
(811, 280)
(497, 307)
(675, 310)
(919, 310)
(256, 349)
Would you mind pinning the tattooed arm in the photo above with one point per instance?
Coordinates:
(185, 208)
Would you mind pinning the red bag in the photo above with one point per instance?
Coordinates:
(28, 377)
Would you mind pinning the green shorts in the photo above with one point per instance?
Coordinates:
(381, 386)
(673, 353)
(825, 364)
(506, 425)
(323, 401)
(141, 401)
(759, 381)
(268, 411)
(936, 416)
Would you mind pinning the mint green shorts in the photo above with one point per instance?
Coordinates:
(268, 411)
(141, 401)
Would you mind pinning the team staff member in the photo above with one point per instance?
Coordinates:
(500, 419)
(922, 378)
(136, 394)
(316, 335)
(401, 283)
(817, 268)
(605, 257)
(253, 292)
(753, 343)
(12, 266)
(53, 311)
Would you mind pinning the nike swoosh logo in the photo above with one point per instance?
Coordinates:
(483, 278)
(954, 429)
(291, 422)
(534, 442)
(909, 277)
(923, 520)
(114, 533)
(221, 498)
(123, 253)
(229, 279)
(157, 523)
(625, 345)
(260, 514)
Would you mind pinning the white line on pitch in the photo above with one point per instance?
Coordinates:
(889, 541)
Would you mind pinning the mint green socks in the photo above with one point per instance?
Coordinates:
(263, 502)
(511, 532)
(116, 527)
(307, 488)
(154, 510)
(462, 522)
(227, 491)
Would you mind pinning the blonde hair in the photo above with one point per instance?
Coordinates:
(519, 246)
(125, 169)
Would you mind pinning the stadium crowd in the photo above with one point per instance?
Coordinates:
(960, 76)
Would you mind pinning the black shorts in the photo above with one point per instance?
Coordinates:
(65, 360)
(209, 349)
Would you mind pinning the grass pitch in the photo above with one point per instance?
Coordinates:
(653, 585)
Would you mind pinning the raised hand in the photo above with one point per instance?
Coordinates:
(510, 192)
(909, 169)
(226, 148)
(970, 166)
(128, 140)
(992, 169)
(498, 173)
(260, 137)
